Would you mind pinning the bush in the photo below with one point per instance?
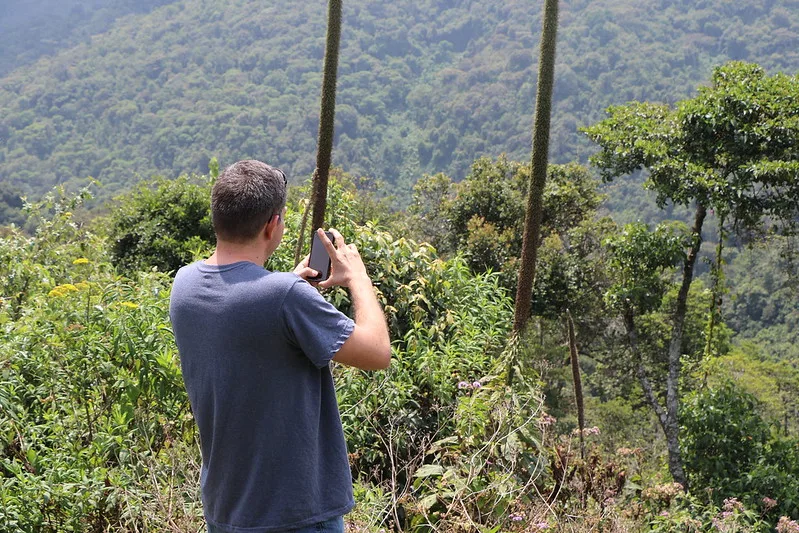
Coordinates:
(94, 420)
(729, 448)
(161, 223)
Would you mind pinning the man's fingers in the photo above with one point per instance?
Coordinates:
(306, 272)
(331, 249)
(337, 237)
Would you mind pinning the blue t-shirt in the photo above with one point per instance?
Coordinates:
(255, 348)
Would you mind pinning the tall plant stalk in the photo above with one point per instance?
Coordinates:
(578, 382)
(327, 115)
(540, 159)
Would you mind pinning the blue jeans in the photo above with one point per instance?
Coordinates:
(334, 525)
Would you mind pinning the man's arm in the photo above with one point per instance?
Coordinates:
(369, 346)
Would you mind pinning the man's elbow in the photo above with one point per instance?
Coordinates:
(384, 358)
(379, 357)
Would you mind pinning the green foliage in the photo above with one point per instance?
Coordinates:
(666, 508)
(773, 382)
(640, 258)
(723, 437)
(728, 446)
(26, 261)
(29, 30)
(424, 86)
(427, 212)
(729, 148)
(483, 216)
(161, 223)
(93, 412)
(482, 473)
(96, 426)
(448, 326)
(763, 304)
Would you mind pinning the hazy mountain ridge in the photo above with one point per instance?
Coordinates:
(30, 29)
(423, 86)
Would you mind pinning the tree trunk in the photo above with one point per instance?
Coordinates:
(327, 115)
(717, 274)
(541, 126)
(675, 353)
(649, 391)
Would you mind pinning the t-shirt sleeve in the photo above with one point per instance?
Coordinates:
(314, 324)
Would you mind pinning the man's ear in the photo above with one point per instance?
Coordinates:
(270, 226)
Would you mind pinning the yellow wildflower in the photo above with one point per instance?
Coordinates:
(62, 290)
(130, 305)
(80, 261)
(82, 285)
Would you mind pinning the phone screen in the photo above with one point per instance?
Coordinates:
(320, 260)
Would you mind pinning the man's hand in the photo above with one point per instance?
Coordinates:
(369, 346)
(346, 265)
(304, 271)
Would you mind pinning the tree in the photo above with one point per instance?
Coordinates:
(483, 216)
(730, 150)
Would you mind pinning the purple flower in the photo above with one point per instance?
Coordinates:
(477, 385)
(464, 385)
(516, 517)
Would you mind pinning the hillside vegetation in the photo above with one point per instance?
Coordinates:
(424, 86)
(96, 433)
(30, 30)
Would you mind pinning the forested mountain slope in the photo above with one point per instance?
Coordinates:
(424, 85)
(30, 29)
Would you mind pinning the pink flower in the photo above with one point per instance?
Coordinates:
(730, 504)
(547, 420)
(786, 525)
(769, 503)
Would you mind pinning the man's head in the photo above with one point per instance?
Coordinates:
(245, 197)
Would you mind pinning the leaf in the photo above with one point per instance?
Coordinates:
(429, 470)
(428, 501)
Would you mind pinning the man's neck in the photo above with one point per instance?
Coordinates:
(229, 253)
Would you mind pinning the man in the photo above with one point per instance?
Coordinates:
(255, 348)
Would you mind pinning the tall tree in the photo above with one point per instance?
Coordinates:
(540, 158)
(731, 151)
(327, 115)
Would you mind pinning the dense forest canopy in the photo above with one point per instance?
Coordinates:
(424, 86)
(29, 30)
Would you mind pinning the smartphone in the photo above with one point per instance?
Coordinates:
(320, 260)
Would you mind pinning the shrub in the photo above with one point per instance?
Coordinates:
(161, 223)
(730, 449)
